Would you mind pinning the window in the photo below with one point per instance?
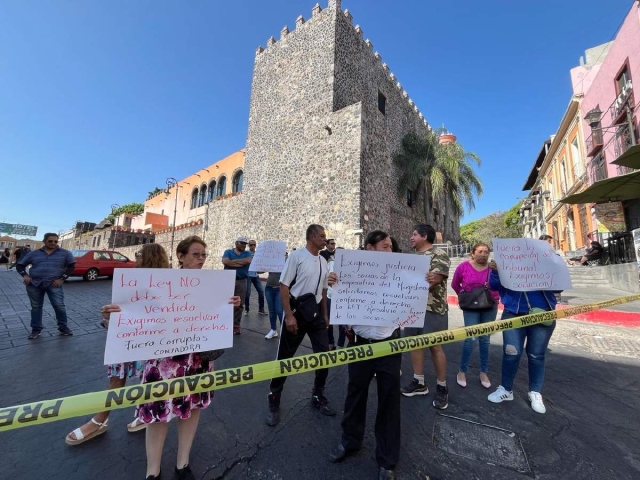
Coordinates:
(578, 167)
(212, 191)
(119, 257)
(222, 187)
(409, 197)
(622, 79)
(104, 256)
(563, 176)
(128, 240)
(382, 103)
(93, 244)
(203, 195)
(99, 239)
(194, 198)
(238, 180)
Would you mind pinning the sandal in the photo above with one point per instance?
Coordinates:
(136, 425)
(80, 438)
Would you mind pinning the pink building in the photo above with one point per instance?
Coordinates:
(610, 104)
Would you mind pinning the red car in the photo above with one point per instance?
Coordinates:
(91, 264)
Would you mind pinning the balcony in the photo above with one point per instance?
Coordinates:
(623, 140)
(594, 142)
(618, 107)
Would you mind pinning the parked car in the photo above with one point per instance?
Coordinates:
(91, 264)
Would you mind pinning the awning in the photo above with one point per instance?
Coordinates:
(616, 189)
(630, 158)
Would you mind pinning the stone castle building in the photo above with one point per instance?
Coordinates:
(326, 116)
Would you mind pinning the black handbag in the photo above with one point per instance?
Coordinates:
(479, 298)
(305, 307)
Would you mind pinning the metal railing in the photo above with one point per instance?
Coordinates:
(594, 142)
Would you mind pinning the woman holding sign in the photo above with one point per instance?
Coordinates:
(478, 305)
(386, 369)
(536, 337)
(150, 255)
(191, 253)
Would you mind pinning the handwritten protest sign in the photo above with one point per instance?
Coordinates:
(379, 288)
(169, 312)
(526, 264)
(269, 257)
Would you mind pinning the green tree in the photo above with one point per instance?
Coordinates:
(154, 192)
(438, 171)
(495, 225)
(133, 208)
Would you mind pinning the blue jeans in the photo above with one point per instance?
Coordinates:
(471, 319)
(56, 297)
(258, 284)
(537, 338)
(274, 302)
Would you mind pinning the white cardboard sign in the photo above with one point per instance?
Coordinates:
(526, 264)
(379, 288)
(167, 312)
(269, 257)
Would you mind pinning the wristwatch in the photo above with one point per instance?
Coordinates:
(65, 276)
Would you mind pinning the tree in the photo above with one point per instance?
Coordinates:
(154, 192)
(495, 225)
(132, 208)
(438, 172)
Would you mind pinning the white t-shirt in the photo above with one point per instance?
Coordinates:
(373, 333)
(308, 267)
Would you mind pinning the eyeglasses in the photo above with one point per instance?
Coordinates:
(52, 241)
(138, 254)
(252, 244)
(199, 255)
(332, 243)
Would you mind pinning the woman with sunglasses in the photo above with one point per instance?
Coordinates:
(151, 255)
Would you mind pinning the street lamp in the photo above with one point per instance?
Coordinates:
(172, 182)
(115, 207)
(593, 117)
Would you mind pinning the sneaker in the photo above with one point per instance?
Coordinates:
(273, 417)
(319, 401)
(262, 312)
(34, 334)
(500, 395)
(536, 402)
(246, 312)
(237, 331)
(442, 397)
(271, 334)
(65, 332)
(414, 388)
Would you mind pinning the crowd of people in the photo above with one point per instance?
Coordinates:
(300, 298)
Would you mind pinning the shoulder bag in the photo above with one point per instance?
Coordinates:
(477, 299)
(305, 306)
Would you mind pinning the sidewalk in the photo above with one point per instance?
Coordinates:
(627, 314)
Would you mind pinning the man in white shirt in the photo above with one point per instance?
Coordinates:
(304, 275)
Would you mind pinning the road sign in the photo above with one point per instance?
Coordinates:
(18, 229)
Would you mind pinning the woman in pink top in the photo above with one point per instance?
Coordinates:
(469, 275)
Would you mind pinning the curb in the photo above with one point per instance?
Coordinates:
(617, 318)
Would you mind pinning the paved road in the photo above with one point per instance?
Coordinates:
(590, 431)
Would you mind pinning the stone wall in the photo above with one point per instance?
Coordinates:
(107, 239)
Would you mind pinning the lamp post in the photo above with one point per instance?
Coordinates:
(115, 207)
(172, 182)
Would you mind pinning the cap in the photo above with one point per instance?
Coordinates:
(242, 240)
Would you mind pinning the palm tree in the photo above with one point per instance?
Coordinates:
(441, 172)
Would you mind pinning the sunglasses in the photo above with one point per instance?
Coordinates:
(138, 254)
(252, 244)
(198, 255)
(52, 241)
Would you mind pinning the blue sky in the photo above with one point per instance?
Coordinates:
(102, 101)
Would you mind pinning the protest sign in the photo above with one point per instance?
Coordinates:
(526, 264)
(379, 288)
(169, 312)
(269, 257)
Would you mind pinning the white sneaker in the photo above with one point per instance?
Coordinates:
(271, 334)
(500, 395)
(536, 402)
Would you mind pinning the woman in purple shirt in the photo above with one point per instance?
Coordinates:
(471, 274)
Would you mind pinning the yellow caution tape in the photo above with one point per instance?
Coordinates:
(46, 411)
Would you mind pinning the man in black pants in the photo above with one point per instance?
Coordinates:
(387, 372)
(305, 272)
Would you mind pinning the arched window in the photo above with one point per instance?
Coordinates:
(222, 187)
(238, 180)
(203, 195)
(194, 198)
(212, 191)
